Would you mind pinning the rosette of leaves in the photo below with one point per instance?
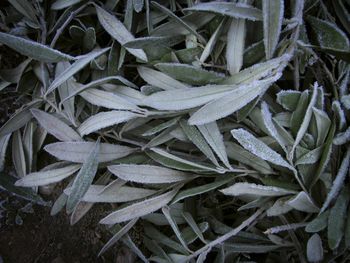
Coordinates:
(222, 126)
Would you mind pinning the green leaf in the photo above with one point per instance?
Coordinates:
(288, 99)
(74, 68)
(314, 249)
(231, 102)
(159, 79)
(190, 74)
(259, 148)
(328, 35)
(198, 140)
(183, 194)
(273, 11)
(139, 209)
(55, 126)
(319, 223)
(105, 119)
(148, 174)
(302, 202)
(228, 9)
(235, 45)
(337, 219)
(62, 4)
(48, 176)
(118, 31)
(18, 156)
(84, 178)
(78, 152)
(256, 190)
(212, 135)
(33, 49)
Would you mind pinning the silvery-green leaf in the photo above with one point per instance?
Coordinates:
(62, 4)
(64, 91)
(302, 202)
(241, 155)
(288, 99)
(337, 218)
(149, 42)
(342, 137)
(278, 229)
(173, 225)
(148, 174)
(172, 27)
(323, 124)
(173, 161)
(310, 157)
(319, 223)
(192, 223)
(55, 126)
(139, 209)
(118, 31)
(345, 100)
(105, 119)
(212, 42)
(338, 182)
(328, 34)
(258, 148)
(161, 127)
(230, 102)
(179, 20)
(181, 99)
(28, 147)
(270, 126)
(117, 236)
(235, 45)
(280, 207)
(98, 194)
(159, 139)
(3, 147)
(183, 194)
(78, 152)
(18, 156)
(80, 63)
(159, 79)
(254, 189)
(190, 74)
(239, 10)
(59, 204)
(306, 120)
(212, 135)
(48, 176)
(273, 11)
(325, 157)
(107, 100)
(33, 49)
(258, 71)
(314, 249)
(84, 178)
(19, 119)
(249, 248)
(197, 139)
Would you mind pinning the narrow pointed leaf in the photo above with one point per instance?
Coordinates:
(254, 189)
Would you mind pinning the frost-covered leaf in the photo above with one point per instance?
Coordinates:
(55, 126)
(33, 49)
(84, 178)
(212, 135)
(139, 209)
(235, 45)
(337, 219)
(74, 68)
(288, 99)
(229, 9)
(338, 182)
(323, 123)
(302, 202)
(342, 137)
(310, 157)
(314, 249)
(256, 190)
(148, 174)
(259, 148)
(48, 176)
(159, 79)
(190, 74)
(105, 119)
(78, 152)
(273, 11)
